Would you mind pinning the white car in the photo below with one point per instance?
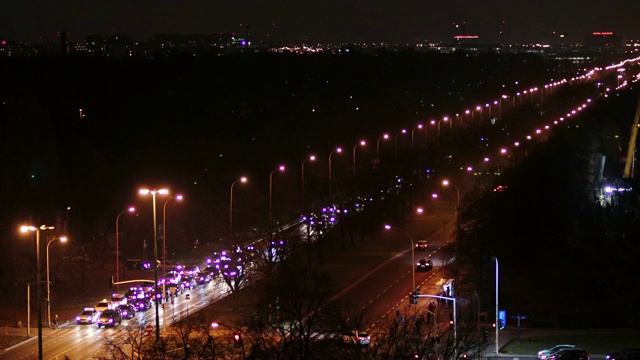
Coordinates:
(543, 354)
(103, 305)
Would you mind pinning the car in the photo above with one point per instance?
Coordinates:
(89, 315)
(424, 264)
(109, 318)
(103, 305)
(625, 354)
(570, 354)
(203, 278)
(543, 354)
(127, 311)
(118, 299)
(363, 338)
(188, 283)
(422, 245)
(142, 304)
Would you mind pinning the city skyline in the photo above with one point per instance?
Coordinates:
(286, 22)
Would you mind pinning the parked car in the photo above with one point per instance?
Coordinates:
(424, 265)
(543, 354)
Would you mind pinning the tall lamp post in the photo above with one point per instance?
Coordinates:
(413, 255)
(384, 136)
(242, 180)
(361, 143)
(131, 209)
(445, 119)
(446, 182)
(421, 210)
(419, 126)
(24, 229)
(62, 239)
(426, 130)
(153, 193)
(164, 232)
(339, 151)
(164, 255)
(281, 169)
(310, 158)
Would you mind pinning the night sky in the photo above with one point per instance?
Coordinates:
(294, 21)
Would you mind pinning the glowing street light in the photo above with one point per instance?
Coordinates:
(361, 143)
(421, 211)
(384, 136)
(445, 119)
(419, 126)
(62, 239)
(413, 255)
(339, 151)
(446, 182)
(242, 180)
(280, 168)
(310, 158)
(24, 229)
(153, 193)
(131, 209)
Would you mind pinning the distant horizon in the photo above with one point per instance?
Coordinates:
(55, 39)
(329, 21)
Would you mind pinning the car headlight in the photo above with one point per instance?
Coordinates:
(110, 321)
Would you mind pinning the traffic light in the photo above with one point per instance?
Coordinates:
(485, 336)
(237, 340)
(501, 324)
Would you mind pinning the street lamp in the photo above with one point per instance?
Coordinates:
(339, 151)
(310, 158)
(131, 209)
(164, 232)
(153, 193)
(403, 131)
(450, 120)
(426, 130)
(164, 255)
(279, 168)
(361, 143)
(419, 126)
(384, 136)
(421, 210)
(413, 255)
(446, 182)
(62, 239)
(242, 180)
(445, 119)
(24, 229)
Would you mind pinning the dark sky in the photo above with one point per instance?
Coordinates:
(397, 21)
